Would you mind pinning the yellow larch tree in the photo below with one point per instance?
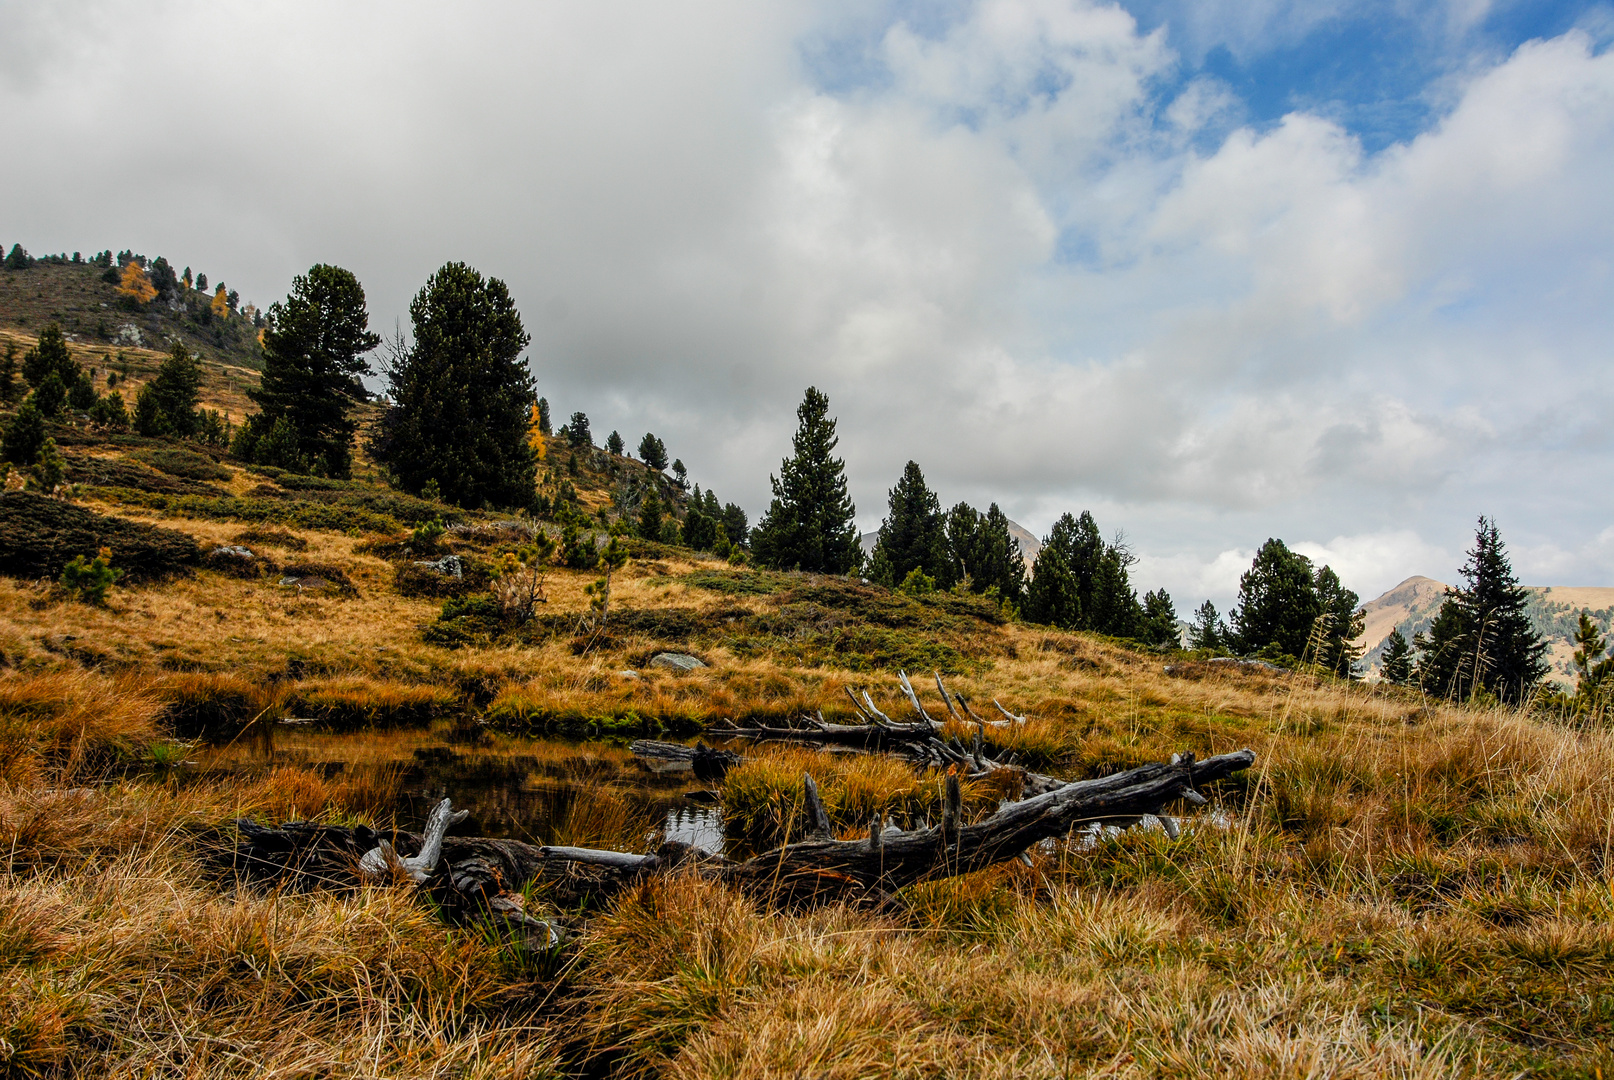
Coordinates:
(136, 285)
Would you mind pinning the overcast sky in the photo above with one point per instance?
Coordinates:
(1218, 270)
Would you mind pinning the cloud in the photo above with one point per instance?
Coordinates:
(1021, 247)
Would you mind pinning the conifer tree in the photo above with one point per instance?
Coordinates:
(1159, 623)
(1481, 639)
(650, 516)
(1342, 624)
(167, 404)
(462, 395)
(1207, 630)
(543, 417)
(1395, 665)
(1593, 670)
(810, 522)
(133, 285)
(735, 524)
(577, 432)
(8, 373)
(1113, 608)
(653, 452)
(913, 535)
(982, 549)
(313, 350)
(1051, 597)
(50, 355)
(50, 396)
(25, 434)
(615, 444)
(1278, 602)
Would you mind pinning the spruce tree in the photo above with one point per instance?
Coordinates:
(614, 443)
(810, 522)
(313, 350)
(1159, 623)
(1051, 597)
(543, 417)
(912, 536)
(650, 517)
(735, 525)
(167, 404)
(1113, 607)
(49, 355)
(25, 434)
(1207, 630)
(50, 395)
(577, 432)
(1481, 639)
(982, 549)
(462, 395)
(1395, 664)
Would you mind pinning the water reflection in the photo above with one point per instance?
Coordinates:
(697, 826)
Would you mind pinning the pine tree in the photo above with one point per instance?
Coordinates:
(810, 522)
(1395, 664)
(49, 355)
(735, 524)
(1338, 652)
(312, 363)
(577, 432)
(1207, 630)
(1481, 639)
(913, 535)
(543, 417)
(615, 444)
(650, 517)
(1594, 672)
(1278, 602)
(25, 434)
(1052, 597)
(1159, 623)
(1114, 608)
(653, 452)
(8, 373)
(462, 395)
(680, 474)
(50, 396)
(167, 404)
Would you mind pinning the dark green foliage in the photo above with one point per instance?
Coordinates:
(1288, 608)
(577, 548)
(50, 468)
(1114, 608)
(543, 417)
(912, 536)
(188, 464)
(8, 373)
(985, 552)
(577, 432)
(89, 579)
(1481, 638)
(1395, 665)
(1207, 631)
(734, 524)
(699, 531)
(25, 434)
(463, 397)
(106, 472)
(650, 517)
(50, 396)
(312, 363)
(81, 396)
(19, 259)
(615, 444)
(1159, 623)
(744, 583)
(653, 452)
(50, 356)
(1053, 597)
(1083, 583)
(810, 523)
(167, 404)
(1594, 671)
(680, 474)
(412, 579)
(38, 535)
(163, 279)
(339, 515)
(276, 444)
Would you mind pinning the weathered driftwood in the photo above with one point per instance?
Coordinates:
(706, 762)
(478, 878)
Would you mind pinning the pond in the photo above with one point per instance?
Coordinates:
(538, 790)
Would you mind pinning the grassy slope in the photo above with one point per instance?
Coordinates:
(1397, 889)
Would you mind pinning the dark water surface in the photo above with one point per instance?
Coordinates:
(541, 791)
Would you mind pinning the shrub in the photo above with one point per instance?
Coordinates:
(39, 535)
(90, 580)
(303, 515)
(109, 411)
(183, 463)
(49, 468)
(25, 434)
(107, 472)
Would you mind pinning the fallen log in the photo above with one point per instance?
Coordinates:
(480, 878)
(706, 762)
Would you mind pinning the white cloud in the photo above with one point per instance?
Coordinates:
(1005, 259)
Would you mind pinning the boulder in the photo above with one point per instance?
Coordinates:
(448, 566)
(676, 661)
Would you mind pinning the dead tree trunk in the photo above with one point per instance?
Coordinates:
(479, 877)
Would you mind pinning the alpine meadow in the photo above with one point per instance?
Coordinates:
(576, 620)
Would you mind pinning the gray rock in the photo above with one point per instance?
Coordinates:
(675, 661)
(629, 674)
(231, 551)
(448, 566)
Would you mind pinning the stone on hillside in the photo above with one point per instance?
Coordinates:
(675, 661)
(448, 566)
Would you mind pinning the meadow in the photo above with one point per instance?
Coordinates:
(1399, 887)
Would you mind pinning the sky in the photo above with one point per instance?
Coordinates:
(1335, 272)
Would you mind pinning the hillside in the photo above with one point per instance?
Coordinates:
(1553, 610)
(92, 313)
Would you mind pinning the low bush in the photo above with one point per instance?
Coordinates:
(39, 536)
(310, 573)
(105, 472)
(177, 461)
(270, 537)
(294, 512)
(741, 583)
(414, 580)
